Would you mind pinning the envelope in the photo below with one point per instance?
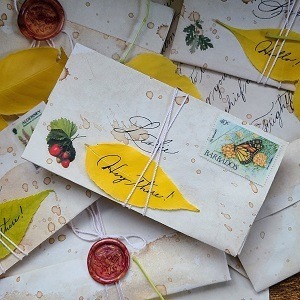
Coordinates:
(237, 288)
(264, 107)
(98, 25)
(60, 200)
(271, 251)
(173, 261)
(96, 98)
(221, 50)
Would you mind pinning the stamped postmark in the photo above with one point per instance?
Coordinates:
(240, 150)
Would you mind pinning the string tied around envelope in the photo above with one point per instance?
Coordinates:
(287, 26)
(5, 244)
(157, 150)
(100, 233)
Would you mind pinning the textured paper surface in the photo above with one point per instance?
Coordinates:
(227, 55)
(174, 262)
(97, 25)
(228, 206)
(20, 179)
(272, 250)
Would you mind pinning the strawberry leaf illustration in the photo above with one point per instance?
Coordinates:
(65, 125)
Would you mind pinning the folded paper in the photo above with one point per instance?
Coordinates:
(29, 212)
(175, 255)
(105, 110)
(235, 39)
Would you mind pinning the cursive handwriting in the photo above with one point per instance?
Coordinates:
(266, 47)
(230, 100)
(269, 9)
(273, 116)
(197, 72)
(139, 133)
(10, 223)
(113, 164)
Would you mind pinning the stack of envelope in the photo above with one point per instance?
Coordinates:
(214, 203)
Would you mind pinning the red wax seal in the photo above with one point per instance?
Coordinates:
(108, 261)
(41, 19)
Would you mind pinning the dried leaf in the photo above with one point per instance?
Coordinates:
(16, 216)
(27, 77)
(258, 48)
(115, 168)
(3, 123)
(162, 69)
(296, 100)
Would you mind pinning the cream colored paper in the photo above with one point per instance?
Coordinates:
(173, 261)
(95, 92)
(227, 55)
(272, 249)
(264, 107)
(105, 28)
(20, 179)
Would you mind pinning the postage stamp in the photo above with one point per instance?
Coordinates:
(240, 150)
(24, 129)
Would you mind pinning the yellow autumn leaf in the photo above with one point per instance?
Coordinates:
(27, 77)
(16, 216)
(3, 123)
(296, 100)
(258, 48)
(163, 69)
(115, 168)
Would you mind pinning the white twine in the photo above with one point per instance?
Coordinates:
(287, 25)
(166, 125)
(99, 234)
(3, 236)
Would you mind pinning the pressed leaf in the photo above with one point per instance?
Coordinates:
(27, 77)
(16, 216)
(258, 48)
(3, 123)
(162, 69)
(296, 100)
(115, 168)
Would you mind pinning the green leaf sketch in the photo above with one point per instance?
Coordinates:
(195, 38)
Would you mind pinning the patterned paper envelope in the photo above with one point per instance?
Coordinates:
(97, 25)
(200, 40)
(173, 261)
(30, 221)
(214, 173)
(264, 107)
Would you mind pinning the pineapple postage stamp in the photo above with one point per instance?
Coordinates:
(240, 150)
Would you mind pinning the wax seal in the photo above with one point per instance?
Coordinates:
(41, 19)
(108, 261)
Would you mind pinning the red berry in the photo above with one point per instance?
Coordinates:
(55, 150)
(65, 155)
(65, 163)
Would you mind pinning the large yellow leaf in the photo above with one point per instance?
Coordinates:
(27, 77)
(162, 69)
(3, 123)
(115, 168)
(296, 100)
(258, 49)
(15, 217)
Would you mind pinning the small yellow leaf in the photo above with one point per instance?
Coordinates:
(296, 100)
(3, 123)
(163, 69)
(15, 218)
(258, 49)
(115, 168)
(27, 77)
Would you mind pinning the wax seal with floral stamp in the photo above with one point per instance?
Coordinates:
(41, 19)
(108, 261)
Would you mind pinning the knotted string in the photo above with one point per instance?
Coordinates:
(287, 25)
(100, 233)
(166, 125)
(3, 236)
